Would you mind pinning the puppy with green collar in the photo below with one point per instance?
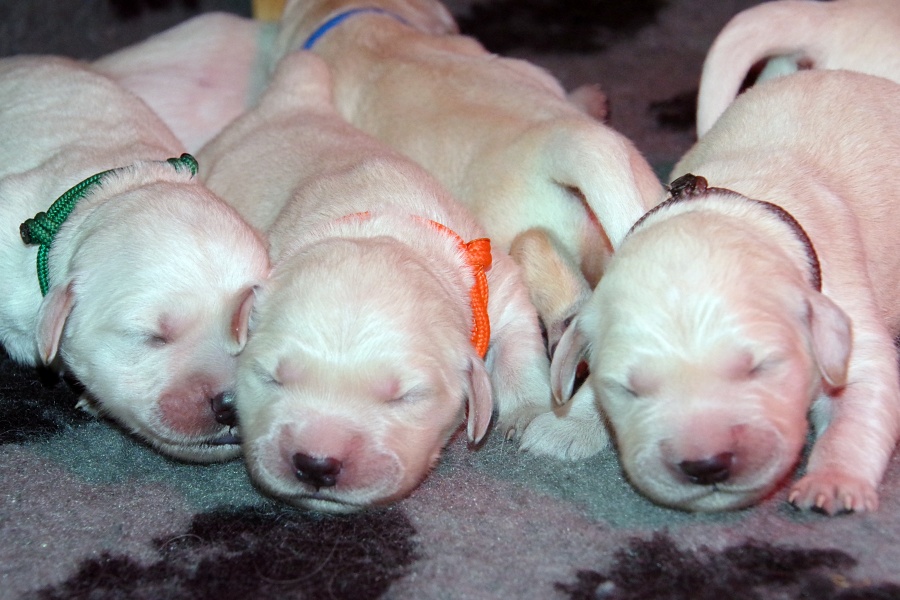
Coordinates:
(121, 268)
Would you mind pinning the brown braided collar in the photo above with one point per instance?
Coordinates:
(692, 187)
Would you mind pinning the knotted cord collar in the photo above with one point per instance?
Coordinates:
(691, 187)
(42, 228)
(479, 259)
(343, 16)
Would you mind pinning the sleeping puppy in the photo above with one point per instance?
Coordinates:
(199, 75)
(499, 133)
(369, 336)
(138, 281)
(857, 35)
(723, 320)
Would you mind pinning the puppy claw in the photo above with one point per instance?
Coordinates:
(833, 493)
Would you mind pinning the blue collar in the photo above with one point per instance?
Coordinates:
(341, 17)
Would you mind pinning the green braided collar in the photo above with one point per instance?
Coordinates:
(40, 230)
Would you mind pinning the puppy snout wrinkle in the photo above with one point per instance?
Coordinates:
(318, 472)
(708, 471)
(223, 408)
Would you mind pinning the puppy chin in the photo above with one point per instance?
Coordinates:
(223, 447)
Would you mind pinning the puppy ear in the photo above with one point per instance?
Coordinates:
(480, 401)
(572, 349)
(240, 319)
(831, 336)
(55, 309)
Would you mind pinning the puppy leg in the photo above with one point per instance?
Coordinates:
(516, 359)
(591, 99)
(572, 431)
(849, 458)
(556, 286)
(859, 424)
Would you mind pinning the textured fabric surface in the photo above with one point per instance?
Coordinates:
(88, 512)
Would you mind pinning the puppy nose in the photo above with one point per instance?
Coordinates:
(223, 408)
(708, 471)
(318, 472)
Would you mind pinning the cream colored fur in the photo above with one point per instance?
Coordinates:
(499, 133)
(360, 366)
(857, 35)
(709, 346)
(199, 75)
(151, 276)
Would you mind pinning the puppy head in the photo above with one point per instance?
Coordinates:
(706, 352)
(357, 374)
(149, 307)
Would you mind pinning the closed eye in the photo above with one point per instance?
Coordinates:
(414, 394)
(761, 367)
(617, 388)
(266, 377)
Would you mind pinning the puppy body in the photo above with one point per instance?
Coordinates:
(361, 363)
(150, 276)
(856, 35)
(499, 133)
(708, 342)
(199, 75)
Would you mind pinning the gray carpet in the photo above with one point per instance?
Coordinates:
(88, 512)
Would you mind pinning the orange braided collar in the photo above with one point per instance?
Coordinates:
(478, 257)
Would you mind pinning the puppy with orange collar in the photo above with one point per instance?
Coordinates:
(387, 316)
(499, 133)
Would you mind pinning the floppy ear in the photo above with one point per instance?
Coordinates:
(831, 337)
(55, 309)
(240, 319)
(480, 401)
(572, 349)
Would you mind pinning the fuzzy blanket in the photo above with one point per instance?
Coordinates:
(88, 512)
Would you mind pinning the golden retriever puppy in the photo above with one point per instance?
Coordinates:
(373, 337)
(765, 290)
(137, 280)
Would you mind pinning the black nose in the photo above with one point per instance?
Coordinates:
(318, 472)
(223, 408)
(708, 471)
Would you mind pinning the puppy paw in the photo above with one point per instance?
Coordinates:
(833, 492)
(564, 437)
(513, 424)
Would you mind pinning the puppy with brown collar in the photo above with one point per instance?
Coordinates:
(121, 268)
(499, 133)
(764, 290)
(371, 337)
(789, 35)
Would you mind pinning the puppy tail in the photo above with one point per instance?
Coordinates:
(769, 30)
(605, 170)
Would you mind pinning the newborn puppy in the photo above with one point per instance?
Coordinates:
(199, 75)
(369, 336)
(499, 133)
(789, 35)
(723, 320)
(138, 281)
